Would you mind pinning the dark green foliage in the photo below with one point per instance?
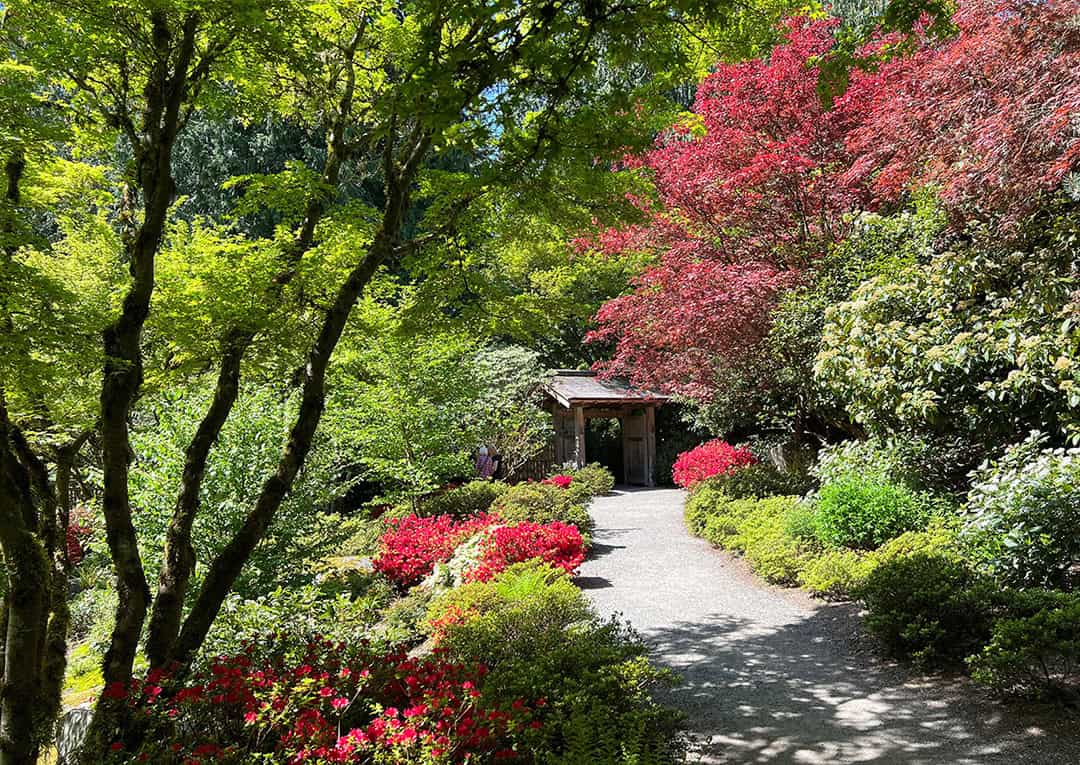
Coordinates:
(1034, 654)
(673, 437)
(464, 501)
(865, 513)
(542, 503)
(929, 608)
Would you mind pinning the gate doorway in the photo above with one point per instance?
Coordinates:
(576, 398)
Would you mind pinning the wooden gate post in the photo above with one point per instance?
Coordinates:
(579, 436)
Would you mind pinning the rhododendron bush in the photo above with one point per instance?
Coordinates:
(560, 480)
(557, 543)
(412, 546)
(324, 703)
(710, 459)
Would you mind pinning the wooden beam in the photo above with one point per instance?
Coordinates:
(650, 446)
(579, 436)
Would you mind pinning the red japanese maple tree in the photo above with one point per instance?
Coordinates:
(991, 117)
(752, 187)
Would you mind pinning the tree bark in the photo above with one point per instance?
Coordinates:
(28, 591)
(230, 561)
(165, 93)
(179, 559)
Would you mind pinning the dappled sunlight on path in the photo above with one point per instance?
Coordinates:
(770, 676)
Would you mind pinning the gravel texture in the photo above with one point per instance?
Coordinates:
(771, 676)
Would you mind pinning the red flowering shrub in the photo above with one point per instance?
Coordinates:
(711, 458)
(559, 544)
(323, 704)
(410, 548)
(562, 481)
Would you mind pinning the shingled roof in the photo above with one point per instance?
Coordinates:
(573, 387)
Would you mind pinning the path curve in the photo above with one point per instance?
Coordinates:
(771, 676)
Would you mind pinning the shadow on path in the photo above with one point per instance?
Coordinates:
(770, 677)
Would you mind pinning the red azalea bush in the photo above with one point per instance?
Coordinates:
(710, 459)
(557, 543)
(322, 704)
(411, 546)
(562, 480)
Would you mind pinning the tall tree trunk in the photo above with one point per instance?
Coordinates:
(27, 598)
(179, 558)
(166, 90)
(230, 561)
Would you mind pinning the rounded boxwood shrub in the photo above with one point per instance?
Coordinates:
(1023, 522)
(1035, 654)
(541, 503)
(930, 608)
(836, 574)
(596, 478)
(760, 480)
(762, 536)
(465, 501)
(864, 513)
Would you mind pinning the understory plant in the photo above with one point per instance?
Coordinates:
(465, 501)
(536, 632)
(1034, 654)
(1023, 516)
(542, 503)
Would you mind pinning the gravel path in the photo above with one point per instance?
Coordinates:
(771, 676)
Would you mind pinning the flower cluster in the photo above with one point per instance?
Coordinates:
(562, 480)
(326, 704)
(707, 460)
(411, 546)
(557, 543)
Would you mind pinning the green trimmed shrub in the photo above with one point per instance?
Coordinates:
(596, 477)
(722, 526)
(762, 536)
(864, 513)
(704, 501)
(760, 480)
(930, 608)
(541, 503)
(836, 574)
(1023, 523)
(536, 632)
(940, 537)
(465, 501)
(1035, 655)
